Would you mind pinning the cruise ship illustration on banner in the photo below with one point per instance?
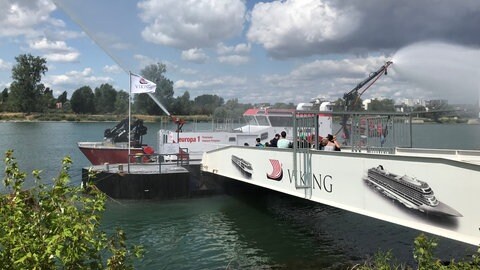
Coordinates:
(244, 166)
(409, 191)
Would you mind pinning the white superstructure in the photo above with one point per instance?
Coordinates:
(261, 123)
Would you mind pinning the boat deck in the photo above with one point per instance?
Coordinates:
(143, 168)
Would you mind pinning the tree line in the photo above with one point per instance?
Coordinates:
(28, 94)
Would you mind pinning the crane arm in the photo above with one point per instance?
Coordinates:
(351, 97)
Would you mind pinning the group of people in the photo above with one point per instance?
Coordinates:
(328, 143)
(279, 141)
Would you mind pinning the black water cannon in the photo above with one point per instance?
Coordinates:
(388, 63)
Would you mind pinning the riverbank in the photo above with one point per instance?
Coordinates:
(71, 117)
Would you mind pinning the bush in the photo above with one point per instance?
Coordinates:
(423, 255)
(56, 227)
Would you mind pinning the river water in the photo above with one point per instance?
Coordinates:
(217, 232)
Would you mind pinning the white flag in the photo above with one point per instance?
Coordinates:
(138, 85)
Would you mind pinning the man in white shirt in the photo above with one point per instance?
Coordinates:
(283, 142)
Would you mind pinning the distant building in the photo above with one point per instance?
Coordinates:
(413, 102)
(365, 104)
(436, 104)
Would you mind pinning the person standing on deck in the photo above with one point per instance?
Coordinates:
(283, 142)
(274, 141)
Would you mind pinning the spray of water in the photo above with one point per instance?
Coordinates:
(449, 71)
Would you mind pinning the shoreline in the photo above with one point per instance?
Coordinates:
(70, 117)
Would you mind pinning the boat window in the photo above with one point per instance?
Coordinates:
(232, 139)
(263, 120)
(281, 121)
(250, 120)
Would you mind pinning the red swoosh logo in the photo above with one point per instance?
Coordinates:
(277, 173)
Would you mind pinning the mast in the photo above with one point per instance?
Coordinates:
(129, 110)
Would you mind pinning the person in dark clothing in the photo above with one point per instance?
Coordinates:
(273, 142)
(259, 144)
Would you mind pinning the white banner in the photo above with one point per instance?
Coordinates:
(424, 191)
(139, 85)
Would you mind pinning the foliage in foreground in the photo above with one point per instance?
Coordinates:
(423, 255)
(56, 227)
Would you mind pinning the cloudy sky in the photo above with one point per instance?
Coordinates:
(272, 51)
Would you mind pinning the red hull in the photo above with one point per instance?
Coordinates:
(112, 155)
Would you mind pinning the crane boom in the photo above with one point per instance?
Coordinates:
(353, 95)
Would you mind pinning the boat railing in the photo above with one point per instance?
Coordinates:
(380, 150)
(154, 162)
(196, 125)
(371, 132)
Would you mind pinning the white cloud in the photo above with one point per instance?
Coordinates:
(219, 82)
(115, 69)
(171, 67)
(145, 60)
(61, 34)
(241, 48)
(46, 45)
(187, 24)
(62, 57)
(4, 65)
(188, 71)
(194, 55)
(295, 27)
(330, 78)
(4, 85)
(21, 17)
(233, 59)
(73, 80)
(233, 55)
(55, 51)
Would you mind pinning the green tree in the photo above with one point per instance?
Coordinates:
(56, 227)
(281, 105)
(206, 104)
(47, 99)
(220, 113)
(4, 100)
(4, 97)
(339, 105)
(164, 91)
(234, 109)
(231, 110)
(26, 89)
(105, 97)
(121, 102)
(82, 100)
(62, 98)
(182, 105)
(384, 105)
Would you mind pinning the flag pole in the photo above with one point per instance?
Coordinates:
(129, 114)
